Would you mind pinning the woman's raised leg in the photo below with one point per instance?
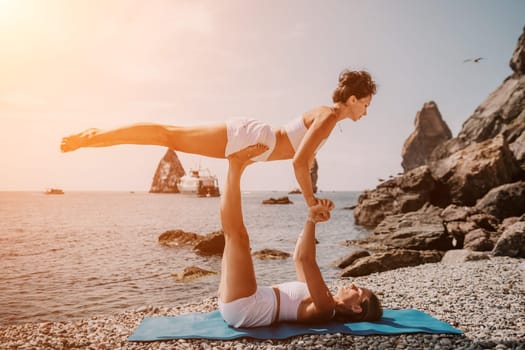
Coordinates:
(237, 272)
(206, 140)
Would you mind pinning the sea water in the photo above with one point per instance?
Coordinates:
(93, 253)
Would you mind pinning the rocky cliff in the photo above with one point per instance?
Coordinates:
(168, 172)
(488, 152)
(469, 195)
(502, 113)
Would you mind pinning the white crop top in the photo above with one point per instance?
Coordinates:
(296, 130)
(291, 295)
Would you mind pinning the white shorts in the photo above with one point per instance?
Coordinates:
(247, 132)
(257, 310)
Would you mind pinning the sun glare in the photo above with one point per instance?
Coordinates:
(10, 10)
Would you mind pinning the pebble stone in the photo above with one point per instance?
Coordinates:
(485, 299)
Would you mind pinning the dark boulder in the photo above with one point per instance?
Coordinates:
(459, 256)
(350, 258)
(504, 201)
(280, 200)
(390, 260)
(177, 238)
(512, 241)
(402, 194)
(271, 254)
(455, 213)
(192, 272)
(470, 173)
(419, 230)
(211, 244)
(478, 240)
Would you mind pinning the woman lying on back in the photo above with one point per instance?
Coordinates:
(243, 303)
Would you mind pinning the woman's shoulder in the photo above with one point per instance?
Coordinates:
(308, 312)
(322, 115)
(319, 110)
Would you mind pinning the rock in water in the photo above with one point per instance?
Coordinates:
(271, 254)
(169, 171)
(430, 131)
(192, 272)
(280, 200)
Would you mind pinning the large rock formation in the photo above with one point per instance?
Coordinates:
(502, 113)
(430, 131)
(476, 181)
(168, 172)
(488, 152)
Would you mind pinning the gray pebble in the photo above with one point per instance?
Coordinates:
(485, 299)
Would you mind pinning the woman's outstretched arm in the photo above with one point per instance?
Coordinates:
(318, 131)
(306, 266)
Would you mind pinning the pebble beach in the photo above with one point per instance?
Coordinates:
(485, 299)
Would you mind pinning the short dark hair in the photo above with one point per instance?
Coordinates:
(356, 83)
(371, 310)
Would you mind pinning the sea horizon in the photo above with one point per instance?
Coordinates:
(97, 252)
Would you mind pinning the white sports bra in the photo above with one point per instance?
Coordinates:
(291, 295)
(295, 129)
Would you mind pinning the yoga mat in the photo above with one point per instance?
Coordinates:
(212, 326)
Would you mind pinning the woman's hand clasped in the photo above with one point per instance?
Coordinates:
(321, 211)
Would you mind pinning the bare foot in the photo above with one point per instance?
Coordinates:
(245, 155)
(71, 143)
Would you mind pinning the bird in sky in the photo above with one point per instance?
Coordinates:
(475, 60)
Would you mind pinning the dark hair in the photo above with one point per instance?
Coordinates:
(356, 83)
(371, 310)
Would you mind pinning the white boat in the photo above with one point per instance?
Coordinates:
(200, 183)
(54, 191)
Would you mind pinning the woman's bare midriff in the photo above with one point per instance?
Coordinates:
(283, 148)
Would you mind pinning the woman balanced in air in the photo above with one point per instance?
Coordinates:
(307, 299)
(298, 140)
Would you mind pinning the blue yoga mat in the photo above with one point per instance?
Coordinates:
(212, 326)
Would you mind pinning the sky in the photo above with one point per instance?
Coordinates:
(69, 65)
